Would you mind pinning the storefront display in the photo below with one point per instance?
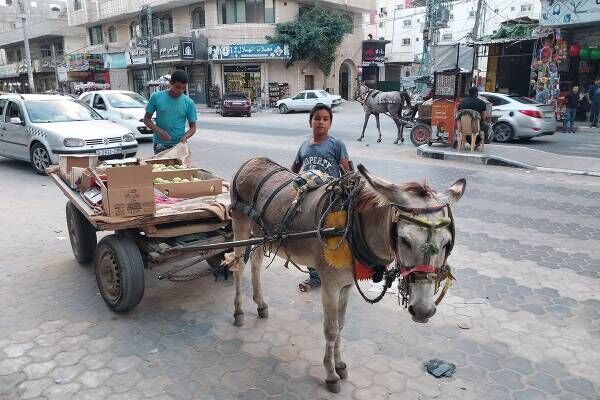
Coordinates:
(242, 78)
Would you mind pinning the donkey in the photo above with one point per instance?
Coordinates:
(376, 102)
(386, 235)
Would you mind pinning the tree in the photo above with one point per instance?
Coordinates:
(314, 36)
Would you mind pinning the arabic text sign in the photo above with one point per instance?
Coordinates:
(249, 51)
(556, 12)
(373, 52)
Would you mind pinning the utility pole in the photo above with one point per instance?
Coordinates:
(148, 10)
(23, 11)
(475, 34)
(55, 66)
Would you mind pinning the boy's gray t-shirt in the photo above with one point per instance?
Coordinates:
(324, 156)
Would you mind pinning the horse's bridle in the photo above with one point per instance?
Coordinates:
(362, 97)
(424, 272)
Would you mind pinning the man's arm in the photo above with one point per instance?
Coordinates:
(192, 117)
(162, 134)
(190, 132)
(345, 165)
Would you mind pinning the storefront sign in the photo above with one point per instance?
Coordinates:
(248, 51)
(142, 42)
(557, 13)
(373, 52)
(114, 61)
(85, 62)
(9, 71)
(61, 72)
(187, 50)
(241, 68)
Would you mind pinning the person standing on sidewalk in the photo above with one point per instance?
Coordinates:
(594, 99)
(172, 109)
(572, 100)
(326, 154)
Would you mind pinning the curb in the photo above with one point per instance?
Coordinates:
(490, 159)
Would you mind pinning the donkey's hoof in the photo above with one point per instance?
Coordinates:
(263, 312)
(239, 320)
(359, 139)
(396, 141)
(333, 386)
(378, 140)
(342, 372)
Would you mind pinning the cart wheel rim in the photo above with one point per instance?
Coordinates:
(73, 233)
(109, 273)
(420, 134)
(41, 159)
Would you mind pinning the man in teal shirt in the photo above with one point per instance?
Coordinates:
(172, 109)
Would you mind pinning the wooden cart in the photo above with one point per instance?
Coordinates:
(140, 243)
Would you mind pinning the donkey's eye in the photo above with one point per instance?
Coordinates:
(405, 242)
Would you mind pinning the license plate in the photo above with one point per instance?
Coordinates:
(108, 152)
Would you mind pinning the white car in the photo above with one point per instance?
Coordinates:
(307, 99)
(39, 127)
(518, 117)
(123, 107)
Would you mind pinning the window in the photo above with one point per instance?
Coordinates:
(451, 17)
(471, 14)
(13, 111)
(96, 35)
(311, 95)
(407, 73)
(166, 24)
(99, 102)
(407, 22)
(246, 11)
(512, 9)
(135, 30)
(525, 7)
(381, 24)
(9, 2)
(418, 20)
(198, 20)
(496, 101)
(76, 5)
(399, 6)
(299, 96)
(406, 42)
(112, 34)
(86, 98)
(416, 39)
(46, 50)
(447, 36)
(496, 10)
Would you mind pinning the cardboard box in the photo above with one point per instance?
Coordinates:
(165, 161)
(66, 163)
(128, 191)
(209, 184)
(187, 173)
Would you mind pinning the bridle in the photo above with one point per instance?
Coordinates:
(362, 97)
(423, 272)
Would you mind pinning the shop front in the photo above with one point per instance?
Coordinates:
(137, 61)
(84, 69)
(373, 59)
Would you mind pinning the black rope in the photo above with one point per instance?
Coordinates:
(390, 276)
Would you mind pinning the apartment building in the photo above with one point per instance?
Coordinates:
(218, 42)
(402, 21)
(50, 38)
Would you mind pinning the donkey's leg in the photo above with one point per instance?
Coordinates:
(378, 127)
(256, 262)
(241, 231)
(362, 135)
(330, 295)
(400, 127)
(340, 366)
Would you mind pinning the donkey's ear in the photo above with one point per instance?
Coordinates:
(385, 191)
(455, 192)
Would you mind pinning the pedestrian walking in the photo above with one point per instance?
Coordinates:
(572, 100)
(324, 153)
(594, 99)
(173, 108)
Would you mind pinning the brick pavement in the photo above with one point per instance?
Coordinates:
(527, 288)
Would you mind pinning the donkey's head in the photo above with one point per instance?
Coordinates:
(361, 91)
(423, 236)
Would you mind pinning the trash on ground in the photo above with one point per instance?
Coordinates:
(440, 368)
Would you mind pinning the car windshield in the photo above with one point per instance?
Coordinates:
(126, 100)
(524, 100)
(43, 111)
(323, 93)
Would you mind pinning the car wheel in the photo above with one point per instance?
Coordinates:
(503, 132)
(283, 109)
(40, 158)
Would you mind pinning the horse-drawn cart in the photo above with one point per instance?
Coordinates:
(139, 243)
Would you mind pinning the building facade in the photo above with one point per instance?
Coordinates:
(402, 23)
(218, 42)
(50, 38)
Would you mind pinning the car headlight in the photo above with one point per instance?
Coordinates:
(74, 142)
(126, 116)
(128, 137)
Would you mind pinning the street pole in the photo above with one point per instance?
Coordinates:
(55, 66)
(23, 10)
(151, 36)
(475, 34)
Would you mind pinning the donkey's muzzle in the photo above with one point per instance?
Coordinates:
(421, 315)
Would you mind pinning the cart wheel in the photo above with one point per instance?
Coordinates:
(82, 235)
(119, 272)
(420, 134)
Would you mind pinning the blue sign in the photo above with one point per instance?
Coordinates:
(248, 51)
(114, 61)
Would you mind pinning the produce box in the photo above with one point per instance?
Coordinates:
(165, 162)
(128, 191)
(188, 183)
(66, 163)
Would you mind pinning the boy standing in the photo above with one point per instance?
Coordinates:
(324, 153)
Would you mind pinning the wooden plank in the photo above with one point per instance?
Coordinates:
(180, 230)
(74, 198)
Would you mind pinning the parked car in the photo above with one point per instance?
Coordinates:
(123, 107)
(518, 117)
(307, 99)
(39, 127)
(236, 103)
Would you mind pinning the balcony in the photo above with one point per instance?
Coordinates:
(359, 6)
(53, 24)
